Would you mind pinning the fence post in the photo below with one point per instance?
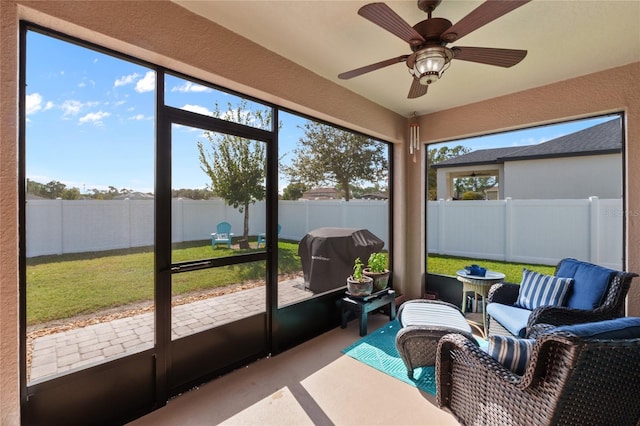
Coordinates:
(343, 210)
(508, 226)
(594, 228)
(440, 225)
(61, 204)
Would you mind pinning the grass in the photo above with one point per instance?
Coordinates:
(448, 265)
(65, 286)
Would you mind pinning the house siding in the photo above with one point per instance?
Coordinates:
(564, 178)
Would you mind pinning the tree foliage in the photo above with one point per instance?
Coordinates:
(473, 185)
(435, 156)
(326, 155)
(192, 194)
(56, 189)
(236, 165)
(294, 191)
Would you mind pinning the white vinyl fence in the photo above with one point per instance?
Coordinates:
(528, 231)
(63, 226)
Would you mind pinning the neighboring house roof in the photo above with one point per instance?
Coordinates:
(134, 196)
(605, 138)
(375, 196)
(320, 193)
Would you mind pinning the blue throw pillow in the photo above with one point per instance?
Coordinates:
(590, 283)
(619, 328)
(511, 352)
(538, 290)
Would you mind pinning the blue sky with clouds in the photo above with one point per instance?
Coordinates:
(90, 121)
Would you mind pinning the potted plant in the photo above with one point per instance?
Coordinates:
(359, 284)
(377, 270)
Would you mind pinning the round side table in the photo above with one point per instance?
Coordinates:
(479, 285)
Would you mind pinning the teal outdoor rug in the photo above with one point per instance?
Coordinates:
(378, 350)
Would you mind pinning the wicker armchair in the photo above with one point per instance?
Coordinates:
(612, 304)
(568, 381)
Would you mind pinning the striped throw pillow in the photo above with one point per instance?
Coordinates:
(538, 290)
(511, 352)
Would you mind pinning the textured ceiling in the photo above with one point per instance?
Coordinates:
(564, 39)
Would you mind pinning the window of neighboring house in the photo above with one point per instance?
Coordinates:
(531, 196)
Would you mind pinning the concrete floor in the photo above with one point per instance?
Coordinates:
(311, 384)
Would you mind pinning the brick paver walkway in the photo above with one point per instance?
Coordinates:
(70, 350)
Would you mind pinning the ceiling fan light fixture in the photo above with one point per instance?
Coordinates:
(430, 63)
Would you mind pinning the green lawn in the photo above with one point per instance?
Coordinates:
(448, 265)
(65, 286)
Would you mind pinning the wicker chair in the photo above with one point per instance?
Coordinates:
(612, 305)
(568, 381)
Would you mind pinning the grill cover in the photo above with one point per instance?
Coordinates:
(328, 254)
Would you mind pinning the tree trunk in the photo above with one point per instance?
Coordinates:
(347, 190)
(245, 233)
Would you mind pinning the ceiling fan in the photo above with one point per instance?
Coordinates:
(428, 40)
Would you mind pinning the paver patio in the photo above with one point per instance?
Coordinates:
(78, 348)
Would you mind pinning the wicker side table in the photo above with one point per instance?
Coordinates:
(479, 286)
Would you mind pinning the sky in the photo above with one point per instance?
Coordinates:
(90, 121)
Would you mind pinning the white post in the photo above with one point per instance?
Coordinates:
(508, 225)
(594, 229)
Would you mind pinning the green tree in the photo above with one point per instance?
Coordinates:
(71, 194)
(475, 185)
(435, 156)
(326, 155)
(235, 165)
(55, 189)
(37, 188)
(294, 191)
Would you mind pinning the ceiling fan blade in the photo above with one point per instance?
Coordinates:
(368, 68)
(480, 16)
(382, 15)
(491, 56)
(417, 89)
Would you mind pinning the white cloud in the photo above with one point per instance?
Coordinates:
(146, 83)
(71, 107)
(198, 109)
(49, 105)
(190, 87)
(34, 103)
(94, 118)
(125, 79)
(139, 117)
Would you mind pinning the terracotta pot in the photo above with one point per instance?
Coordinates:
(380, 280)
(360, 288)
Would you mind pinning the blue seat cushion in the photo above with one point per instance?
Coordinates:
(619, 328)
(512, 318)
(590, 283)
(511, 352)
(538, 290)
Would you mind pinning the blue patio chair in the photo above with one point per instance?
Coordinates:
(223, 235)
(262, 238)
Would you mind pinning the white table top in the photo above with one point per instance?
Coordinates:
(490, 275)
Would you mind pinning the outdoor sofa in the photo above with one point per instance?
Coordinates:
(579, 292)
